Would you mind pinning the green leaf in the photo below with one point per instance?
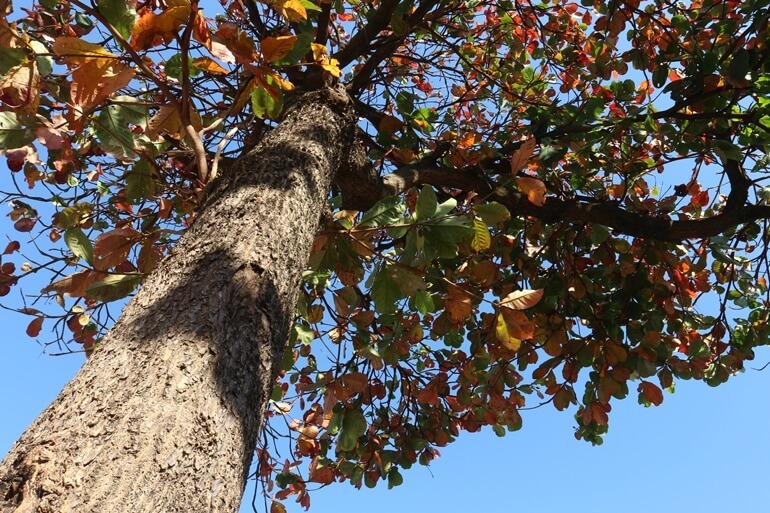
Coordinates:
(114, 286)
(112, 127)
(264, 104)
(445, 208)
(42, 58)
(385, 291)
(426, 203)
(12, 135)
(79, 244)
(10, 57)
(492, 213)
(140, 182)
(423, 302)
(394, 478)
(119, 14)
(353, 427)
(443, 236)
(173, 67)
(386, 211)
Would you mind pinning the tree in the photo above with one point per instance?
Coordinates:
(452, 210)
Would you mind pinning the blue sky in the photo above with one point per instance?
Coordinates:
(702, 450)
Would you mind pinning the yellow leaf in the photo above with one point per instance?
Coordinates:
(292, 10)
(210, 65)
(511, 327)
(76, 51)
(522, 299)
(533, 188)
(319, 52)
(521, 156)
(332, 66)
(154, 29)
(276, 48)
(503, 336)
(481, 236)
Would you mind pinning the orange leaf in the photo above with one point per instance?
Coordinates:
(154, 29)
(97, 79)
(277, 507)
(35, 326)
(276, 48)
(522, 155)
(459, 305)
(112, 248)
(390, 125)
(533, 188)
(522, 299)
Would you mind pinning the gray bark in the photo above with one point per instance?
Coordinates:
(165, 416)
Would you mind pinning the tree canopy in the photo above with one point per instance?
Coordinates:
(552, 204)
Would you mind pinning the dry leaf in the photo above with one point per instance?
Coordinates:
(276, 48)
(522, 155)
(533, 188)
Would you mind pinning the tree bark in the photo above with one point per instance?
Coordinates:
(165, 416)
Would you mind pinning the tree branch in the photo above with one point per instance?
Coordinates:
(612, 215)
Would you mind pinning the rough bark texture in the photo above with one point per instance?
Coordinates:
(165, 416)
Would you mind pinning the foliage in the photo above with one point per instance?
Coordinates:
(584, 214)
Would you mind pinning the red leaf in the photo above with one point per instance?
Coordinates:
(651, 392)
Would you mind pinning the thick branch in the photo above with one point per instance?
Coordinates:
(360, 42)
(606, 213)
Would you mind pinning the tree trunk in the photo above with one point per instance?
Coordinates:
(165, 416)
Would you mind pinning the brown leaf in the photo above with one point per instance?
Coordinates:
(276, 48)
(75, 285)
(522, 155)
(533, 188)
(35, 326)
(11, 247)
(238, 43)
(112, 248)
(522, 299)
(20, 88)
(459, 305)
(167, 120)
